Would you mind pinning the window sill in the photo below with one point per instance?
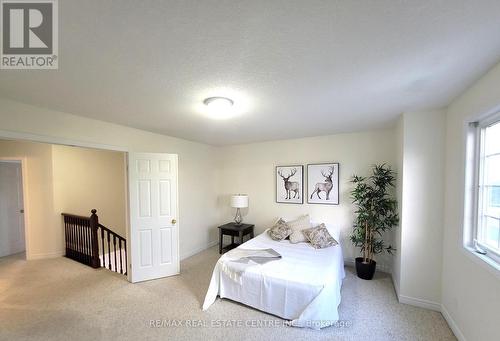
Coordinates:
(483, 260)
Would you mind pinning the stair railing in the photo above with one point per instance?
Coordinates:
(86, 240)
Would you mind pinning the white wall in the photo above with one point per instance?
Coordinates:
(250, 169)
(421, 237)
(470, 289)
(197, 162)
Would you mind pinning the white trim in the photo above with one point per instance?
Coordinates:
(474, 189)
(198, 250)
(489, 120)
(482, 260)
(453, 325)
(418, 302)
(14, 135)
(45, 255)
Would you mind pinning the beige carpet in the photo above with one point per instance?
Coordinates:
(60, 299)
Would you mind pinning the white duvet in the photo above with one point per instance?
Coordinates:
(303, 286)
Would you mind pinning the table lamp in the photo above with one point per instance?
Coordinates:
(239, 201)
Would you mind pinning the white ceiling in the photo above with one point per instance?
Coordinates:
(297, 68)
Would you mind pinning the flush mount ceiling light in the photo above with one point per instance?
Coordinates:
(219, 107)
(218, 102)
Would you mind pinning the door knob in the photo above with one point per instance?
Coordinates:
(21, 211)
(174, 221)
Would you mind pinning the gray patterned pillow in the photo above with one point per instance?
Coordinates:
(280, 230)
(319, 237)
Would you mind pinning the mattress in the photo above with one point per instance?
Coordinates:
(303, 286)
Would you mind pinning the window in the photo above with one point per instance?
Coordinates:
(485, 232)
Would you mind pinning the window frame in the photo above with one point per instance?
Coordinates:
(476, 156)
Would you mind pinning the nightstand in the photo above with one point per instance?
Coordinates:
(233, 230)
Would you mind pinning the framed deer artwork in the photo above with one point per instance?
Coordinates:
(323, 183)
(290, 184)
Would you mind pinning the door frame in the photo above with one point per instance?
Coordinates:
(17, 136)
(24, 183)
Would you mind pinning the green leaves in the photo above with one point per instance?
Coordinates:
(376, 211)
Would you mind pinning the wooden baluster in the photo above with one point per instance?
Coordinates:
(84, 241)
(114, 248)
(77, 244)
(120, 249)
(126, 263)
(66, 235)
(70, 236)
(103, 253)
(70, 228)
(77, 248)
(71, 242)
(94, 243)
(109, 252)
(79, 240)
(89, 243)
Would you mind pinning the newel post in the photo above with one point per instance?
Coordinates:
(94, 224)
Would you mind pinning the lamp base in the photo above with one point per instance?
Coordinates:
(238, 219)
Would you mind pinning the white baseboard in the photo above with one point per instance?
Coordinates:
(198, 250)
(453, 326)
(418, 302)
(396, 286)
(48, 255)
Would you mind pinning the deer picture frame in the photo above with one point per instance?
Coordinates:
(290, 184)
(323, 183)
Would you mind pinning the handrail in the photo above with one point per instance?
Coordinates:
(110, 231)
(75, 216)
(82, 243)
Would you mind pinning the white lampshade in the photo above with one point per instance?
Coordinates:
(239, 201)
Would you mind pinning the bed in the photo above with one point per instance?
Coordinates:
(303, 286)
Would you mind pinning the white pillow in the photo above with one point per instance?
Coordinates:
(297, 225)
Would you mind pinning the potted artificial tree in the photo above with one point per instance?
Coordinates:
(376, 212)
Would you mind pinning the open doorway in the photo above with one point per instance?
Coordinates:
(12, 229)
(65, 182)
(59, 179)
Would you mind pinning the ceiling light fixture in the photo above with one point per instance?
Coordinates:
(219, 107)
(218, 102)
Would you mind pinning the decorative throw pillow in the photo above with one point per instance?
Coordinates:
(280, 230)
(319, 237)
(297, 226)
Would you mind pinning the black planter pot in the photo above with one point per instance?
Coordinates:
(365, 270)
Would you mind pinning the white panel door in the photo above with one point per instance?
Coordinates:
(12, 238)
(154, 230)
